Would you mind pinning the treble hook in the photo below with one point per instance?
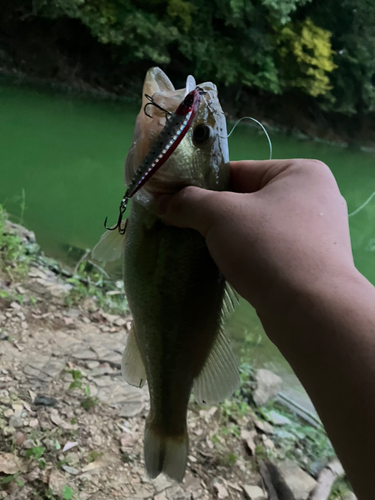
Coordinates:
(122, 209)
(168, 114)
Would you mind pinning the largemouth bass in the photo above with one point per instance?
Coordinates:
(176, 293)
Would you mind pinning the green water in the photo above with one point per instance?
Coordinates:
(67, 154)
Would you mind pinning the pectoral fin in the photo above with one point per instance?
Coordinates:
(133, 370)
(111, 245)
(219, 377)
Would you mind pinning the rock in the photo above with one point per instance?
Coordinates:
(160, 496)
(36, 373)
(57, 420)
(129, 400)
(220, 490)
(73, 313)
(263, 426)
(54, 367)
(70, 470)
(34, 422)
(161, 483)
(268, 443)
(16, 422)
(277, 419)
(29, 443)
(177, 493)
(8, 413)
(282, 434)
(299, 482)
(254, 493)
(42, 400)
(19, 438)
(248, 438)
(89, 305)
(50, 444)
(17, 410)
(23, 234)
(268, 385)
(57, 481)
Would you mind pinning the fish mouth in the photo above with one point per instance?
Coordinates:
(174, 130)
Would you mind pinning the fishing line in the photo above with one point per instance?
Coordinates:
(359, 209)
(256, 121)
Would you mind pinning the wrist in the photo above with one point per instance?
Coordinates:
(293, 309)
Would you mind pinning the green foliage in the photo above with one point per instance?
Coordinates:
(77, 379)
(281, 10)
(36, 453)
(88, 402)
(12, 477)
(351, 23)
(67, 493)
(339, 488)
(13, 256)
(181, 10)
(324, 49)
(306, 57)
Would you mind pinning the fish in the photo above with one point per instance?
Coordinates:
(177, 296)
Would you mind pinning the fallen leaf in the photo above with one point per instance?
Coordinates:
(92, 466)
(69, 445)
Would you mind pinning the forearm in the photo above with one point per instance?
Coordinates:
(327, 333)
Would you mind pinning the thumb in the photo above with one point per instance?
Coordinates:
(191, 207)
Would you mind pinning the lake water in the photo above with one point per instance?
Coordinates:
(66, 155)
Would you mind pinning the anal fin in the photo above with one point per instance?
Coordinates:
(132, 368)
(220, 376)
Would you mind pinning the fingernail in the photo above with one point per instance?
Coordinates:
(162, 204)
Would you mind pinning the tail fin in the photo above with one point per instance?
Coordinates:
(167, 454)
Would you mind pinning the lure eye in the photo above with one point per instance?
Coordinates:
(202, 134)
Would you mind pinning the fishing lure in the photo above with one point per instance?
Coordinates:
(174, 131)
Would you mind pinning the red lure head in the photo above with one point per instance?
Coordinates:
(191, 102)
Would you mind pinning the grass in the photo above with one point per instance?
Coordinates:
(88, 402)
(14, 257)
(90, 281)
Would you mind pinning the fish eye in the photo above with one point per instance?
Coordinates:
(202, 134)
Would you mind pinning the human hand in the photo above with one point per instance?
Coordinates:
(283, 229)
(281, 238)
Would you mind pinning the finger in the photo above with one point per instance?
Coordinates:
(249, 176)
(191, 207)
